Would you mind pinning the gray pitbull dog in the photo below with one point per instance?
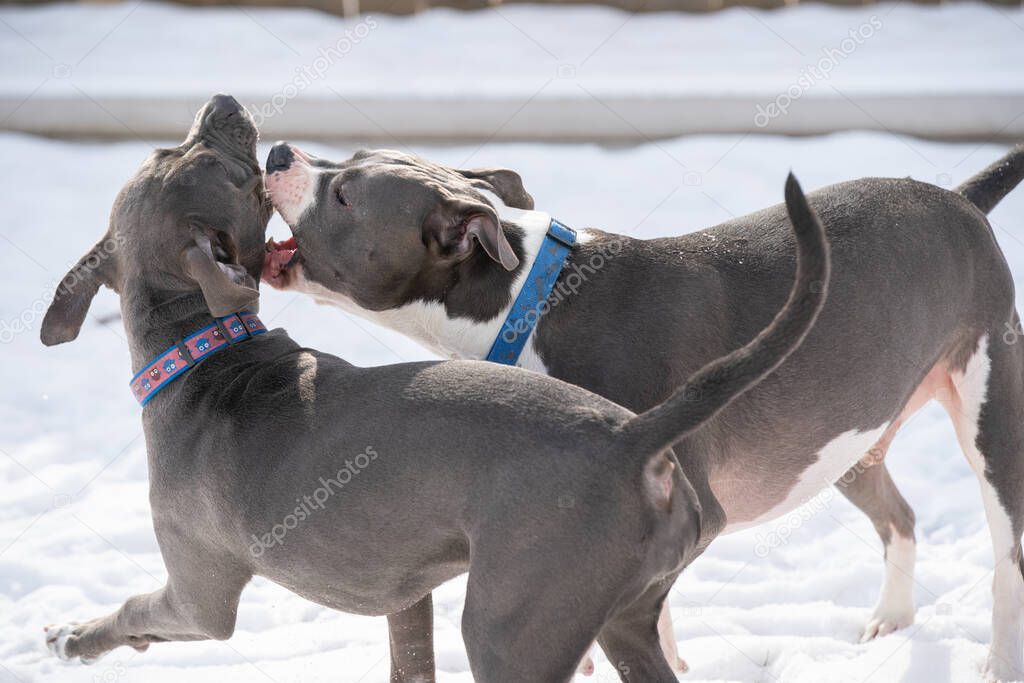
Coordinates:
(920, 302)
(556, 501)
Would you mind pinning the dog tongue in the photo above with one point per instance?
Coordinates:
(276, 258)
(288, 244)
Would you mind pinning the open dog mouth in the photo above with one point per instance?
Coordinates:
(278, 256)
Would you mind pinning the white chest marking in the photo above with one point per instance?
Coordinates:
(530, 359)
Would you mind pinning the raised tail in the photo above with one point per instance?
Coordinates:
(986, 189)
(715, 385)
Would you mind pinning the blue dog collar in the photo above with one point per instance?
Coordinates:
(188, 352)
(532, 300)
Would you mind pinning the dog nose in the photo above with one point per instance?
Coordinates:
(225, 104)
(280, 157)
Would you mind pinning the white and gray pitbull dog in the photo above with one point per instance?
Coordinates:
(553, 499)
(920, 301)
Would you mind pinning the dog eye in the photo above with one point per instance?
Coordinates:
(340, 196)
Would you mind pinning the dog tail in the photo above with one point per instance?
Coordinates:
(718, 383)
(986, 189)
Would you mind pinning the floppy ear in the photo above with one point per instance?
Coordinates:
(452, 226)
(504, 183)
(227, 287)
(75, 292)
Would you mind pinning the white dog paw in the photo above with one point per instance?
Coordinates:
(999, 670)
(586, 666)
(882, 624)
(57, 642)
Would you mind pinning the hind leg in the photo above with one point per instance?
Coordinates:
(988, 412)
(632, 641)
(872, 490)
(666, 634)
(521, 626)
(532, 619)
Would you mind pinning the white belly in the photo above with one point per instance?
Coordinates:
(834, 460)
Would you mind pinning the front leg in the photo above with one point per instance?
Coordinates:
(871, 489)
(412, 643)
(200, 604)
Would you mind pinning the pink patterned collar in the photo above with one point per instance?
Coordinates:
(188, 352)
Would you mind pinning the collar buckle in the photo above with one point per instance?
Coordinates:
(185, 354)
(562, 234)
(233, 328)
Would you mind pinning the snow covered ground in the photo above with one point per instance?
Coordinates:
(75, 531)
(517, 72)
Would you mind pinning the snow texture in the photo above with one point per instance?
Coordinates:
(75, 531)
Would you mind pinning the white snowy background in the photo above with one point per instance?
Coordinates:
(75, 531)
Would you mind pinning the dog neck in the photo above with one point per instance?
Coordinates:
(154, 319)
(469, 319)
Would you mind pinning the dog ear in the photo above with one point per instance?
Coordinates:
(452, 225)
(505, 183)
(227, 287)
(64, 318)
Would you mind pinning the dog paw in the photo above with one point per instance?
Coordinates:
(59, 637)
(884, 624)
(57, 640)
(999, 670)
(586, 666)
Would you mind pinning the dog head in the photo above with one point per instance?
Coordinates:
(385, 228)
(192, 219)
